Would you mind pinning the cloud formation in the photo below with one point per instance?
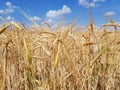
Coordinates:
(98, 0)
(55, 13)
(88, 4)
(9, 4)
(110, 13)
(9, 18)
(10, 8)
(35, 18)
(7, 11)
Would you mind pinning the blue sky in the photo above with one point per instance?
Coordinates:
(55, 10)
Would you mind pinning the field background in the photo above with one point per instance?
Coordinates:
(67, 58)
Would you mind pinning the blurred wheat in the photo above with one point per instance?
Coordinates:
(65, 59)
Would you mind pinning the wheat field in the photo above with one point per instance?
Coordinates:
(63, 59)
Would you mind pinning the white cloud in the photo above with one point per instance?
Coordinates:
(52, 16)
(1, 11)
(9, 4)
(88, 4)
(98, 0)
(10, 8)
(35, 18)
(50, 20)
(9, 18)
(111, 13)
(56, 13)
(6, 11)
(83, 2)
(65, 10)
